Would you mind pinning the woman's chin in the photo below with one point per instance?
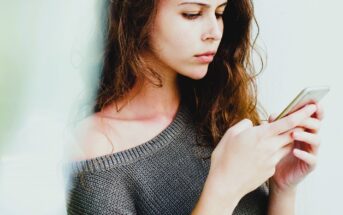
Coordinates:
(197, 75)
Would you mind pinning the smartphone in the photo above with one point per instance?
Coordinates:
(306, 96)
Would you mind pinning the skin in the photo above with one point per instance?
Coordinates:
(176, 53)
(303, 157)
(268, 152)
(173, 54)
(151, 109)
(177, 36)
(299, 162)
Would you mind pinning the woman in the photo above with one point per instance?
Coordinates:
(175, 128)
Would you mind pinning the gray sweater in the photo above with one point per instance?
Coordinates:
(165, 175)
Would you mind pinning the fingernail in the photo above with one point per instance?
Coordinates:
(296, 134)
(312, 108)
(297, 151)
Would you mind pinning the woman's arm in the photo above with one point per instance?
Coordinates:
(214, 201)
(296, 165)
(281, 202)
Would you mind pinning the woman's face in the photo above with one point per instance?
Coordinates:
(186, 34)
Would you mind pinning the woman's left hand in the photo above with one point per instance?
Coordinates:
(302, 159)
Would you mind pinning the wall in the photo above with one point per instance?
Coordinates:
(303, 42)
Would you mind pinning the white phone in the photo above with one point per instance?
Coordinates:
(306, 96)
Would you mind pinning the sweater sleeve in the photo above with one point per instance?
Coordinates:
(94, 194)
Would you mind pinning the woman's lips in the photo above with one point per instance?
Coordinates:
(206, 58)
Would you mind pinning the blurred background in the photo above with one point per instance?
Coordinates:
(50, 52)
(303, 43)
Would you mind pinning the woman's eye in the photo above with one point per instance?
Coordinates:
(196, 15)
(219, 15)
(191, 15)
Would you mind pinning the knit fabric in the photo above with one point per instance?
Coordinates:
(165, 176)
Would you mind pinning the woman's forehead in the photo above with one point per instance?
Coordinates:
(203, 3)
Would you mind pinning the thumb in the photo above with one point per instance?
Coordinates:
(240, 126)
(272, 117)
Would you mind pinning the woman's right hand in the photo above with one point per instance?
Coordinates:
(247, 155)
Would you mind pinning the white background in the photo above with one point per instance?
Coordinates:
(50, 41)
(303, 42)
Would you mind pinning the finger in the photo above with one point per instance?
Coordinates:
(240, 126)
(312, 139)
(290, 121)
(276, 143)
(319, 114)
(281, 153)
(309, 138)
(272, 117)
(264, 122)
(308, 158)
(311, 124)
(281, 140)
(293, 130)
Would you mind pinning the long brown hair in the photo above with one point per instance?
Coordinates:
(226, 95)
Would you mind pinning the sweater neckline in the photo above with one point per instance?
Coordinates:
(165, 137)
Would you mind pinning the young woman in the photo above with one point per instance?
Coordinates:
(175, 128)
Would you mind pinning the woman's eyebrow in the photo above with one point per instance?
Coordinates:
(201, 4)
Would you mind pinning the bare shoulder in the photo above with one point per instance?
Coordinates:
(90, 140)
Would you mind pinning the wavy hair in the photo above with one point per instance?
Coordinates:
(226, 95)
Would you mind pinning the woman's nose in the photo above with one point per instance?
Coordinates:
(213, 30)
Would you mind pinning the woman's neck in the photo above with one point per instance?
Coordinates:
(146, 101)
